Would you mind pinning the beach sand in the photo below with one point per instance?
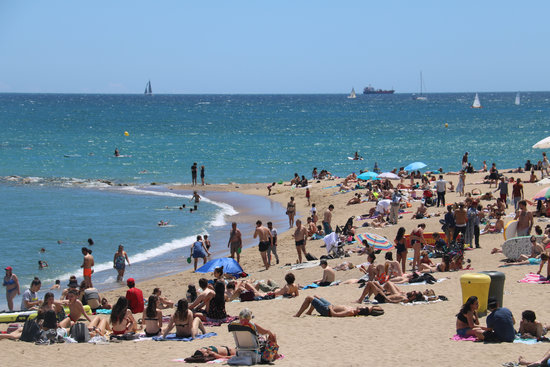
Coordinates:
(404, 336)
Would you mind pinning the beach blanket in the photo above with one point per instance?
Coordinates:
(214, 322)
(464, 338)
(424, 282)
(420, 302)
(103, 312)
(309, 264)
(533, 278)
(173, 337)
(313, 285)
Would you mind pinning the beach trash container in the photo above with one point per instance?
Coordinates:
(497, 285)
(476, 284)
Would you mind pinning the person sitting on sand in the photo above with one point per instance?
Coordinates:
(329, 275)
(105, 305)
(76, 309)
(529, 327)
(51, 304)
(442, 266)
(326, 309)
(163, 302)
(356, 199)
(215, 302)
(290, 289)
(152, 317)
(122, 320)
(378, 222)
(420, 212)
(467, 322)
(187, 326)
(496, 227)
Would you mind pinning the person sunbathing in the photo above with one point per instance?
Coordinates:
(543, 362)
(346, 265)
(215, 352)
(378, 222)
(187, 326)
(390, 293)
(326, 309)
(431, 268)
(356, 199)
(496, 227)
(152, 317)
(529, 327)
(421, 212)
(524, 260)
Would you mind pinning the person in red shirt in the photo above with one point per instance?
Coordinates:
(517, 193)
(134, 297)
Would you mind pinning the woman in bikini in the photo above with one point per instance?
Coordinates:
(122, 320)
(51, 304)
(467, 322)
(291, 211)
(401, 248)
(12, 286)
(152, 317)
(417, 240)
(186, 325)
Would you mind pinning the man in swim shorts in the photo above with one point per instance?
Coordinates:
(327, 217)
(329, 275)
(525, 220)
(76, 309)
(326, 309)
(266, 240)
(87, 266)
(300, 238)
(235, 242)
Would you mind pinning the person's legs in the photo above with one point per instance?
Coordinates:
(305, 304)
(195, 261)
(10, 295)
(416, 256)
(197, 325)
(274, 250)
(299, 250)
(476, 236)
(264, 259)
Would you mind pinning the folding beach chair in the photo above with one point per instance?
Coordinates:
(247, 342)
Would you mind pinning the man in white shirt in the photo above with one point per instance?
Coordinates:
(441, 187)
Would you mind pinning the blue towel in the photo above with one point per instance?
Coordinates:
(104, 312)
(312, 285)
(174, 337)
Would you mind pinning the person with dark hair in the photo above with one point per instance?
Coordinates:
(11, 282)
(327, 218)
(325, 308)
(417, 240)
(76, 309)
(152, 317)
(235, 242)
(199, 251)
(529, 327)
(122, 320)
(87, 265)
(291, 211)
(194, 174)
(163, 302)
(186, 324)
(467, 322)
(134, 297)
(289, 289)
(524, 218)
(50, 304)
(500, 323)
(266, 240)
(199, 302)
(216, 305)
(30, 296)
(329, 275)
(401, 248)
(273, 247)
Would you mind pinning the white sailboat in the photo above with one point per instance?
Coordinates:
(476, 103)
(148, 90)
(516, 102)
(421, 97)
(352, 94)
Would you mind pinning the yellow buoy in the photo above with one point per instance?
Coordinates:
(126, 133)
(446, 125)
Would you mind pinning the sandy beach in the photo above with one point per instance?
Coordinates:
(405, 335)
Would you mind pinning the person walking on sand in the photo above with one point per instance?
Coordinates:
(517, 193)
(545, 166)
(199, 251)
(441, 186)
(327, 218)
(300, 238)
(461, 183)
(503, 188)
(273, 247)
(266, 240)
(202, 175)
(87, 265)
(291, 211)
(11, 282)
(119, 262)
(525, 220)
(235, 242)
(194, 174)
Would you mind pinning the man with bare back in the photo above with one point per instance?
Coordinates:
(235, 242)
(87, 266)
(266, 240)
(525, 220)
(76, 309)
(300, 237)
(327, 219)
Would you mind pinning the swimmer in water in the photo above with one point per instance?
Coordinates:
(42, 264)
(90, 242)
(117, 154)
(57, 285)
(195, 196)
(42, 250)
(163, 223)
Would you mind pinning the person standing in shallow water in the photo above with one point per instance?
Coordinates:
(194, 174)
(202, 175)
(12, 286)
(119, 262)
(87, 265)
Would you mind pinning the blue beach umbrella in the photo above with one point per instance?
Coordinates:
(415, 166)
(367, 176)
(230, 266)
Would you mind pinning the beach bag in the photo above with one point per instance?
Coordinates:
(310, 257)
(80, 333)
(31, 331)
(269, 351)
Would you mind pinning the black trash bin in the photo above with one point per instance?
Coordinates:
(496, 289)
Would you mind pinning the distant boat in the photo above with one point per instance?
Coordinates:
(371, 90)
(517, 99)
(352, 94)
(421, 97)
(476, 103)
(148, 90)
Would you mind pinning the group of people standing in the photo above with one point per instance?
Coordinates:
(194, 169)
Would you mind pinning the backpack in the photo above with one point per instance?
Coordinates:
(31, 331)
(310, 257)
(80, 333)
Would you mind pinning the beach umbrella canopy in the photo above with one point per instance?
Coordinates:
(543, 144)
(230, 266)
(367, 176)
(379, 242)
(415, 166)
(544, 181)
(389, 175)
(542, 194)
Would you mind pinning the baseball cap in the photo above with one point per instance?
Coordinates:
(130, 281)
(8, 268)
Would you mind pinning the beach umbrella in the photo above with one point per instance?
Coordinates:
(230, 266)
(389, 175)
(545, 181)
(415, 166)
(542, 194)
(367, 176)
(543, 144)
(379, 242)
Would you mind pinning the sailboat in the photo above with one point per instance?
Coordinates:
(148, 90)
(517, 99)
(421, 97)
(476, 103)
(352, 94)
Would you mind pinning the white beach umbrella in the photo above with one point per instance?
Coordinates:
(543, 144)
(389, 175)
(543, 182)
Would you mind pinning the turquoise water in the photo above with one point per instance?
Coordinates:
(61, 147)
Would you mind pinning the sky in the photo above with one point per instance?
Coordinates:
(255, 46)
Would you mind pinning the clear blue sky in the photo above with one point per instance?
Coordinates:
(257, 46)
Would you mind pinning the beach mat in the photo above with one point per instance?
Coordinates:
(533, 278)
(464, 338)
(173, 337)
(214, 322)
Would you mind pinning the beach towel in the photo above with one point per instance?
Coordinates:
(309, 264)
(464, 338)
(420, 302)
(521, 340)
(533, 278)
(219, 360)
(214, 322)
(103, 312)
(424, 282)
(173, 337)
(313, 285)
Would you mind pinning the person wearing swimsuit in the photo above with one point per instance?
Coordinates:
(122, 320)
(186, 325)
(119, 262)
(401, 248)
(291, 211)
(12, 286)
(152, 317)
(467, 322)
(76, 309)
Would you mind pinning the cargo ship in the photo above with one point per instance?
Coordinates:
(371, 90)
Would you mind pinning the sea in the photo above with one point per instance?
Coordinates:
(61, 184)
